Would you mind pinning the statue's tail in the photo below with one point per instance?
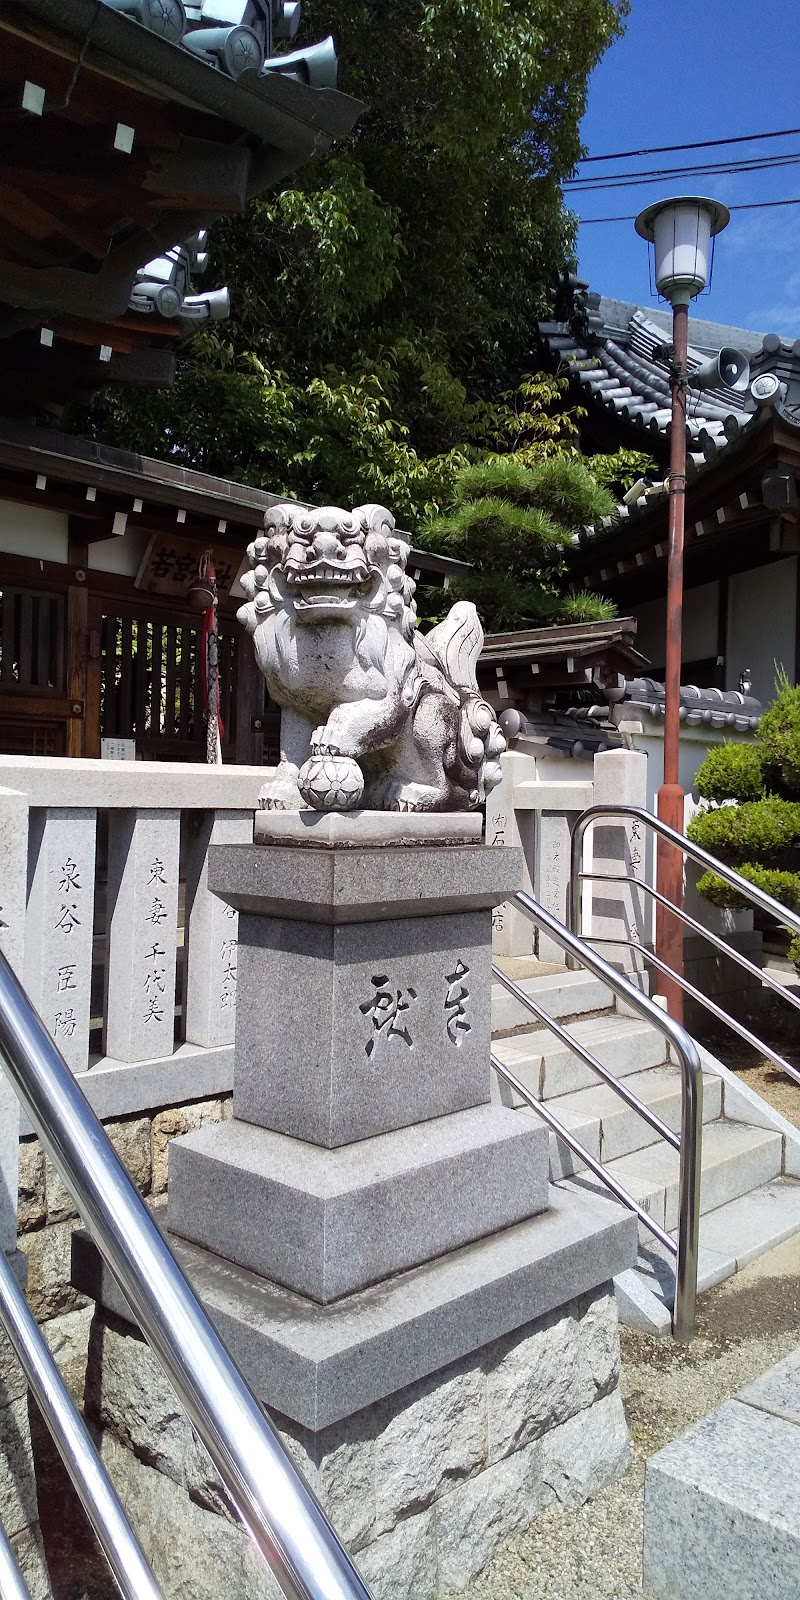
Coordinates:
(455, 646)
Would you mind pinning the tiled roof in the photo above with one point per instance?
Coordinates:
(717, 708)
(610, 351)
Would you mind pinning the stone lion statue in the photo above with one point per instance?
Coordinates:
(373, 713)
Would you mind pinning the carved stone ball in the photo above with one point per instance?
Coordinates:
(331, 783)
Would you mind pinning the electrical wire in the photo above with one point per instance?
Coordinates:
(753, 205)
(662, 174)
(699, 144)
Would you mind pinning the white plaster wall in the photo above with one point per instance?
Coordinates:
(699, 625)
(33, 531)
(762, 625)
(123, 555)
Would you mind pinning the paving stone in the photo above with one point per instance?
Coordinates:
(722, 1517)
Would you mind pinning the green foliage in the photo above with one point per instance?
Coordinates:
(765, 827)
(731, 772)
(782, 886)
(779, 737)
(513, 524)
(758, 830)
(383, 305)
(794, 952)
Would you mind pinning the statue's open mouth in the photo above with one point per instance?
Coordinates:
(322, 585)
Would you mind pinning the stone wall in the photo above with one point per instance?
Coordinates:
(722, 979)
(423, 1487)
(47, 1217)
(19, 1512)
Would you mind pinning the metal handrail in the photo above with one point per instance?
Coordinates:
(12, 1583)
(277, 1508)
(75, 1445)
(696, 853)
(578, 1048)
(691, 1102)
(581, 1152)
(748, 890)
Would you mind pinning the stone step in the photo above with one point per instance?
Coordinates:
(736, 1159)
(550, 1070)
(730, 1237)
(562, 994)
(609, 1128)
(722, 1516)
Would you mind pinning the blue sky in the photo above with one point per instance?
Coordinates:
(701, 69)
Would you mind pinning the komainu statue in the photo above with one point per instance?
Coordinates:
(373, 712)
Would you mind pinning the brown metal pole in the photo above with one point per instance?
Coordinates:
(669, 860)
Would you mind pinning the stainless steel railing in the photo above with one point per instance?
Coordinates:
(276, 1507)
(75, 1446)
(685, 1248)
(694, 852)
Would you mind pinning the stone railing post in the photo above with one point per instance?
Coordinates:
(60, 925)
(619, 911)
(211, 933)
(13, 877)
(141, 934)
(512, 934)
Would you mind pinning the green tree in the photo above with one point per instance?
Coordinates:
(383, 306)
(513, 524)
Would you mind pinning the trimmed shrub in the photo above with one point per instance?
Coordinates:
(779, 737)
(782, 886)
(794, 952)
(732, 772)
(757, 831)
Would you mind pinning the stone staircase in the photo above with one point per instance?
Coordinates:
(750, 1193)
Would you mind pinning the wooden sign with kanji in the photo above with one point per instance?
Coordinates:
(170, 564)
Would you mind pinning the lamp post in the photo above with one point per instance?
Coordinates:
(681, 231)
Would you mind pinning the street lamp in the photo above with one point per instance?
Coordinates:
(681, 231)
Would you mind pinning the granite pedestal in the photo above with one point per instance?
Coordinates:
(369, 1225)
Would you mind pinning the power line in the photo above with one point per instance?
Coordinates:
(701, 144)
(662, 174)
(754, 205)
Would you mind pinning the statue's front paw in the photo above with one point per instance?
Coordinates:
(282, 794)
(414, 797)
(322, 744)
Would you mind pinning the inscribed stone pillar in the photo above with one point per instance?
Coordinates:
(13, 874)
(211, 930)
(512, 933)
(141, 934)
(551, 875)
(60, 926)
(619, 911)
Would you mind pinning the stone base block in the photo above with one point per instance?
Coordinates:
(329, 1222)
(319, 1364)
(423, 1487)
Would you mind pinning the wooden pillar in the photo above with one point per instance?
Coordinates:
(77, 638)
(249, 692)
